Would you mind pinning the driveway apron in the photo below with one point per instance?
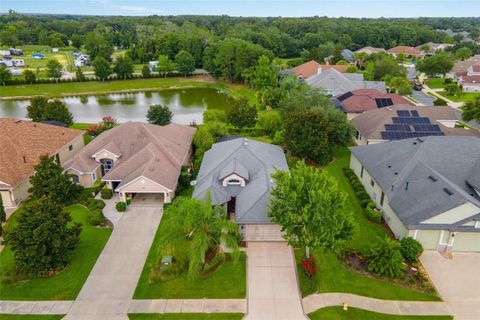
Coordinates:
(272, 283)
(110, 286)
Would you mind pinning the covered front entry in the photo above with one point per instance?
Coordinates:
(146, 199)
(261, 232)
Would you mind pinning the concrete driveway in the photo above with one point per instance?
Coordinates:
(457, 281)
(112, 281)
(272, 283)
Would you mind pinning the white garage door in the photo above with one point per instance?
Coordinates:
(261, 232)
(467, 241)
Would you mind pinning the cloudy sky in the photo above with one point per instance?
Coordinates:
(291, 8)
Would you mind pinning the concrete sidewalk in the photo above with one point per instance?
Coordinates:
(422, 308)
(272, 282)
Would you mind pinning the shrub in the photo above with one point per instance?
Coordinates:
(213, 263)
(106, 193)
(121, 206)
(384, 258)
(411, 249)
(373, 215)
(96, 217)
(214, 115)
(439, 102)
(278, 138)
(168, 273)
(309, 266)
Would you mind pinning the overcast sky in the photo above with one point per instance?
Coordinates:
(292, 8)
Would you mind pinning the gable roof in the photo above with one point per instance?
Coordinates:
(23, 142)
(370, 50)
(409, 51)
(311, 68)
(347, 55)
(360, 100)
(462, 66)
(371, 123)
(425, 177)
(155, 152)
(336, 83)
(255, 159)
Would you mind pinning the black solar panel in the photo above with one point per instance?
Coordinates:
(397, 127)
(415, 113)
(399, 135)
(427, 127)
(345, 96)
(403, 113)
(411, 120)
(382, 102)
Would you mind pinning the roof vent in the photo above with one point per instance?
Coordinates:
(396, 173)
(447, 191)
(389, 166)
(432, 178)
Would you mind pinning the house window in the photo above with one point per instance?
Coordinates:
(358, 136)
(107, 165)
(372, 183)
(75, 179)
(94, 176)
(70, 148)
(57, 158)
(382, 197)
(361, 173)
(234, 182)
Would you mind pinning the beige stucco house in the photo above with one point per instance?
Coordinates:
(21, 145)
(427, 188)
(137, 160)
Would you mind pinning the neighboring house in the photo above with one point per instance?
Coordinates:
(153, 65)
(358, 101)
(21, 145)
(312, 67)
(347, 55)
(16, 52)
(236, 174)
(15, 71)
(369, 50)
(18, 62)
(137, 160)
(409, 52)
(434, 47)
(334, 83)
(471, 81)
(427, 188)
(6, 63)
(460, 68)
(403, 122)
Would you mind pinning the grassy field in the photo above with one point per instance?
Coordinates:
(337, 313)
(227, 281)
(186, 316)
(467, 96)
(435, 83)
(64, 56)
(29, 317)
(331, 275)
(65, 285)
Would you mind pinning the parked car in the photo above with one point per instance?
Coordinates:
(417, 86)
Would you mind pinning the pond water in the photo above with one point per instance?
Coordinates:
(187, 105)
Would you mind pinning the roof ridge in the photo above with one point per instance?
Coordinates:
(160, 146)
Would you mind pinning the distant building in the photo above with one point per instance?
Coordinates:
(460, 68)
(347, 55)
(16, 52)
(369, 50)
(434, 47)
(409, 52)
(312, 67)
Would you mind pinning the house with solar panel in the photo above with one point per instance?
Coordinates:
(403, 122)
(355, 102)
(427, 188)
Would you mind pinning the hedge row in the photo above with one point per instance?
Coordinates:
(365, 200)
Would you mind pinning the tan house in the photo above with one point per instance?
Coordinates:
(138, 161)
(427, 188)
(21, 145)
(401, 122)
(312, 68)
(369, 50)
(407, 51)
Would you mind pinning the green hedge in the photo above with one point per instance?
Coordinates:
(106, 193)
(121, 206)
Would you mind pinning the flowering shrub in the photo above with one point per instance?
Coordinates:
(309, 266)
(108, 122)
(94, 130)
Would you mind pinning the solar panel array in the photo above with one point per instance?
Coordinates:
(409, 124)
(382, 102)
(345, 96)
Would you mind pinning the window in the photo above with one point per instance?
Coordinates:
(94, 176)
(57, 158)
(372, 183)
(234, 182)
(361, 173)
(70, 148)
(358, 136)
(75, 179)
(107, 165)
(382, 197)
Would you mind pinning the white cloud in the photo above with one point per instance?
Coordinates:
(140, 9)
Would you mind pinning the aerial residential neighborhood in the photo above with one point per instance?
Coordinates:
(227, 160)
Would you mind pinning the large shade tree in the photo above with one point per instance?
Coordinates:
(471, 110)
(310, 208)
(123, 67)
(43, 239)
(159, 115)
(243, 114)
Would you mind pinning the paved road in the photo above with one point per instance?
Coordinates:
(272, 282)
(112, 281)
(457, 281)
(423, 98)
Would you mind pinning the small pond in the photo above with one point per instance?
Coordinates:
(187, 105)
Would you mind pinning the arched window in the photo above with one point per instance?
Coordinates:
(107, 165)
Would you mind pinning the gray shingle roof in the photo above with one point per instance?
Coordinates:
(449, 160)
(257, 161)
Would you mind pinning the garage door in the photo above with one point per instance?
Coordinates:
(467, 241)
(261, 232)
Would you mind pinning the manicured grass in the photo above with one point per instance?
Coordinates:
(227, 281)
(186, 316)
(29, 317)
(466, 96)
(337, 313)
(65, 285)
(83, 126)
(435, 83)
(331, 275)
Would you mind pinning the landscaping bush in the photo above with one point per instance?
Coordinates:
(213, 263)
(309, 266)
(384, 258)
(106, 193)
(121, 206)
(411, 249)
(373, 215)
(96, 217)
(168, 273)
(439, 102)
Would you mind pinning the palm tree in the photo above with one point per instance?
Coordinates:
(205, 228)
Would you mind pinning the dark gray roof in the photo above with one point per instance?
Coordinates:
(403, 169)
(347, 55)
(253, 160)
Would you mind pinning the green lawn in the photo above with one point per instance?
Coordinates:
(64, 56)
(435, 83)
(186, 316)
(29, 317)
(227, 281)
(337, 313)
(65, 285)
(331, 275)
(466, 96)
(83, 126)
